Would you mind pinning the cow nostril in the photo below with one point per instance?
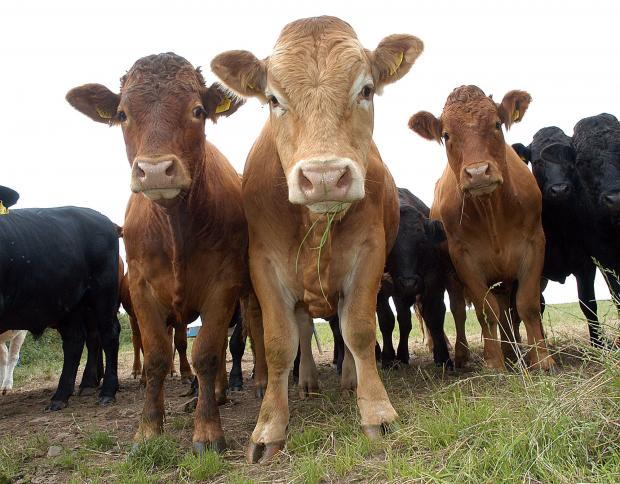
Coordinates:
(304, 182)
(140, 172)
(170, 170)
(345, 180)
(560, 189)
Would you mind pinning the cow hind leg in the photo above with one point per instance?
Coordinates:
(386, 325)
(334, 324)
(136, 341)
(308, 374)
(433, 312)
(91, 378)
(4, 363)
(457, 308)
(180, 343)
(13, 357)
(237, 348)
(403, 313)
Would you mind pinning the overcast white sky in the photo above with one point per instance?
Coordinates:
(565, 54)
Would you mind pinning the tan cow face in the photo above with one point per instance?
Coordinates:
(471, 129)
(162, 108)
(320, 83)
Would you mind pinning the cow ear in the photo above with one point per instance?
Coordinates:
(426, 125)
(219, 101)
(513, 107)
(558, 152)
(523, 151)
(434, 231)
(8, 197)
(393, 58)
(95, 101)
(241, 72)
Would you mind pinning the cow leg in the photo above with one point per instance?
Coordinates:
(403, 314)
(434, 311)
(296, 364)
(386, 325)
(308, 374)
(170, 329)
(208, 356)
(253, 319)
(528, 307)
(73, 335)
(587, 302)
(237, 348)
(281, 342)
(157, 357)
(180, 343)
(10, 360)
(358, 325)
(507, 336)
(94, 361)
(136, 341)
(334, 324)
(457, 308)
(348, 378)
(4, 363)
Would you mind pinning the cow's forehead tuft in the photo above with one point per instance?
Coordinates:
(469, 99)
(316, 27)
(597, 134)
(545, 137)
(161, 69)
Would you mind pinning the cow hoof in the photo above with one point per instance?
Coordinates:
(375, 432)
(263, 453)
(106, 400)
(190, 406)
(56, 405)
(219, 446)
(259, 392)
(87, 391)
(5, 391)
(446, 365)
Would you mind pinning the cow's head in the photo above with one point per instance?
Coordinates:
(413, 249)
(162, 108)
(554, 172)
(320, 83)
(596, 154)
(8, 196)
(471, 128)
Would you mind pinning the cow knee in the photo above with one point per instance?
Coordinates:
(157, 366)
(205, 364)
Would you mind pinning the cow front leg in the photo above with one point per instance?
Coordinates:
(281, 336)
(208, 356)
(386, 325)
(358, 325)
(457, 308)
(136, 341)
(180, 343)
(587, 302)
(403, 314)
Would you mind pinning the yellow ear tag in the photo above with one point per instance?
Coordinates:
(515, 116)
(223, 106)
(103, 114)
(400, 61)
(251, 87)
(3, 209)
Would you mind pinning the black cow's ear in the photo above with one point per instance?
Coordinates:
(523, 151)
(95, 101)
(219, 101)
(434, 231)
(8, 196)
(558, 152)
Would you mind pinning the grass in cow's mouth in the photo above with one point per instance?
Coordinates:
(330, 216)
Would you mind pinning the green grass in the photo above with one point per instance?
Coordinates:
(474, 426)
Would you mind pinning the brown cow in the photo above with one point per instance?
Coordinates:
(185, 232)
(314, 178)
(490, 206)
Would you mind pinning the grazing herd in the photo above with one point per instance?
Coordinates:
(314, 228)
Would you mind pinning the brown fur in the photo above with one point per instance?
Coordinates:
(494, 238)
(314, 66)
(185, 256)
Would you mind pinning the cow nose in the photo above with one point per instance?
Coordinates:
(319, 183)
(410, 283)
(153, 174)
(559, 189)
(478, 174)
(612, 201)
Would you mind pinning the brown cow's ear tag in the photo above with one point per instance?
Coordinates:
(515, 116)
(103, 114)
(398, 63)
(223, 106)
(3, 209)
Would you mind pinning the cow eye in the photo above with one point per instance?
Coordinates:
(198, 112)
(498, 125)
(121, 116)
(273, 101)
(367, 91)
(446, 136)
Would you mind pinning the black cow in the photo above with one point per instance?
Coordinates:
(414, 277)
(595, 154)
(564, 218)
(59, 268)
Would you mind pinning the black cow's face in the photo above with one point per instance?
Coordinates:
(601, 175)
(555, 177)
(416, 239)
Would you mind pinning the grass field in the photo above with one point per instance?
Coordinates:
(469, 426)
